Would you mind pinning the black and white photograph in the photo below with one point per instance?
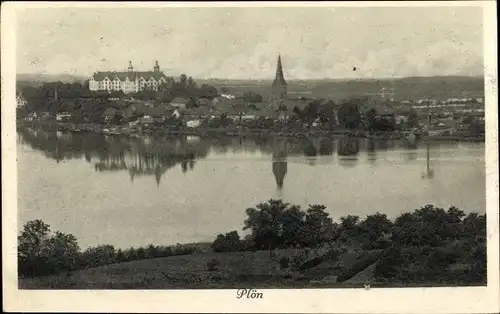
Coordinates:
(251, 149)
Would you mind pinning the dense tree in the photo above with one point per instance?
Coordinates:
(230, 242)
(327, 114)
(62, 252)
(252, 97)
(293, 221)
(31, 247)
(183, 80)
(319, 226)
(310, 113)
(370, 118)
(349, 115)
(275, 224)
(40, 252)
(152, 251)
(99, 255)
(477, 128)
(413, 119)
(265, 223)
(208, 91)
(474, 226)
(191, 84)
(120, 256)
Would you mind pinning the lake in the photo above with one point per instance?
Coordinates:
(133, 192)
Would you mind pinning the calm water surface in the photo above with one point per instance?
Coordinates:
(131, 192)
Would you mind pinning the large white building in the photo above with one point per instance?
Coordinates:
(130, 81)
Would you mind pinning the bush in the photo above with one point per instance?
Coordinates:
(284, 262)
(98, 256)
(230, 242)
(41, 252)
(298, 260)
(212, 264)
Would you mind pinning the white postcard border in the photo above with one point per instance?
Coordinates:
(388, 300)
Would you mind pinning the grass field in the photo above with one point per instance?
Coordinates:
(345, 269)
(235, 270)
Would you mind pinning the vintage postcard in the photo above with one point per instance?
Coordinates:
(293, 157)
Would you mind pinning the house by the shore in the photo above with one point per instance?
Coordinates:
(181, 102)
(109, 114)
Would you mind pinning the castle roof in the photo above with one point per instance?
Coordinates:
(122, 76)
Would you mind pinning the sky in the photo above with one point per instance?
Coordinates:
(243, 43)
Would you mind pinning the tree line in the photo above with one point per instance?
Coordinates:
(42, 251)
(39, 98)
(428, 244)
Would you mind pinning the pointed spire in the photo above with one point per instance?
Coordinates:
(279, 69)
(279, 86)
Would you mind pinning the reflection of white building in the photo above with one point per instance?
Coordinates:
(193, 139)
(63, 116)
(228, 96)
(130, 81)
(193, 123)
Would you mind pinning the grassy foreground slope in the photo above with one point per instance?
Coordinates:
(235, 270)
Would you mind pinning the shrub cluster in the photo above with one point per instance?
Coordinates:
(43, 252)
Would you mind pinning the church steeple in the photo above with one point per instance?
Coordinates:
(279, 85)
(156, 67)
(130, 67)
(279, 70)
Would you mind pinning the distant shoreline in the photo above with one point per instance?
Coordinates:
(204, 132)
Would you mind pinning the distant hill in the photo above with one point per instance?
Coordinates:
(38, 79)
(410, 88)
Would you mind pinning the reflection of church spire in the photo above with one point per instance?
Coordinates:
(280, 165)
(158, 176)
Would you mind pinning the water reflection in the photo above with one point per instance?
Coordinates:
(348, 150)
(326, 147)
(371, 150)
(105, 189)
(309, 147)
(280, 164)
(155, 156)
(139, 157)
(429, 174)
